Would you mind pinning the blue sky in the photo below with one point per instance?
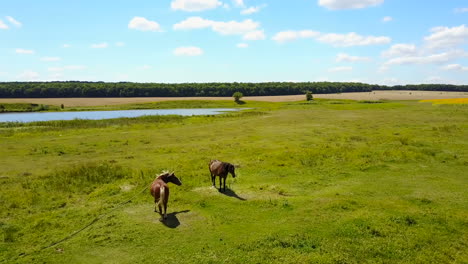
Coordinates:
(373, 41)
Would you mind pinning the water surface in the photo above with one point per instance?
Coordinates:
(97, 115)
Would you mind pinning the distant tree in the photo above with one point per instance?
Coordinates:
(237, 96)
(309, 96)
(62, 106)
(128, 89)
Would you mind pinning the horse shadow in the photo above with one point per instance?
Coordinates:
(171, 220)
(233, 194)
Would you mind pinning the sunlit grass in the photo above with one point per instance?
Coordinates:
(326, 181)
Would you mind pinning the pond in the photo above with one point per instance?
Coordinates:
(97, 115)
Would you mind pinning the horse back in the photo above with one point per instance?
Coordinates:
(156, 188)
(217, 168)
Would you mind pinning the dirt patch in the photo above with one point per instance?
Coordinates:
(377, 95)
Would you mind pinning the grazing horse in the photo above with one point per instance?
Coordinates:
(221, 169)
(160, 191)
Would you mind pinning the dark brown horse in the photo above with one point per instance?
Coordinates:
(221, 169)
(160, 191)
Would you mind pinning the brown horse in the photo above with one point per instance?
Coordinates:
(221, 169)
(160, 191)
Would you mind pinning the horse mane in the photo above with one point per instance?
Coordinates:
(163, 173)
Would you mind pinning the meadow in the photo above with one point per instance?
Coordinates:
(327, 181)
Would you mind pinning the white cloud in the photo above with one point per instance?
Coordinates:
(291, 35)
(242, 45)
(383, 68)
(75, 67)
(143, 24)
(24, 51)
(321, 79)
(239, 3)
(56, 76)
(252, 10)
(100, 45)
(343, 57)
(254, 35)
(28, 76)
(400, 50)
(145, 67)
(193, 23)
(337, 40)
(120, 44)
(3, 25)
(235, 28)
(188, 51)
(66, 46)
(340, 69)
(392, 81)
(348, 4)
(195, 5)
(428, 59)
(13, 21)
(387, 19)
(455, 67)
(461, 10)
(352, 39)
(50, 59)
(435, 79)
(440, 80)
(445, 37)
(223, 28)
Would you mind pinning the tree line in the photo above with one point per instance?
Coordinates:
(130, 89)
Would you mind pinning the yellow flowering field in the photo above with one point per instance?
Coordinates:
(447, 101)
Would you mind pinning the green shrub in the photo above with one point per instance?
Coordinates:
(237, 96)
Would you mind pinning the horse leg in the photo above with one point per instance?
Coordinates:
(165, 210)
(156, 205)
(160, 209)
(225, 184)
(213, 180)
(220, 182)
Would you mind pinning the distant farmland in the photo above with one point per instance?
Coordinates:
(376, 95)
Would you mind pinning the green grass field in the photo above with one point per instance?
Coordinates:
(323, 182)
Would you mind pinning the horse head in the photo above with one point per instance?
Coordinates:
(231, 169)
(172, 178)
(169, 177)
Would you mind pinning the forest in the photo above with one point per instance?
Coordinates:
(131, 89)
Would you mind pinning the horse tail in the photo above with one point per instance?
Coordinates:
(162, 196)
